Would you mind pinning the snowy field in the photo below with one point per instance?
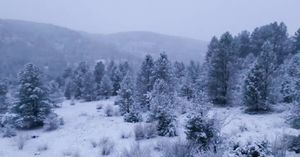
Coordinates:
(85, 125)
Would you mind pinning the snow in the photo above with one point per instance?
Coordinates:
(85, 124)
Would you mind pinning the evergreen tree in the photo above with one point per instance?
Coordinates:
(3, 92)
(144, 83)
(78, 79)
(218, 71)
(116, 79)
(201, 132)
(162, 98)
(163, 70)
(189, 84)
(243, 44)
(126, 97)
(257, 84)
(105, 87)
(33, 104)
(296, 42)
(99, 72)
(166, 125)
(212, 48)
(88, 87)
(277, 35)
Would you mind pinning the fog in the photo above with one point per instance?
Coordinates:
(200, 19)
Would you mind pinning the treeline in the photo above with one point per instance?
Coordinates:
(256, 69)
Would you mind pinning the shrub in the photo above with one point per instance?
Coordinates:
(42, 148)
(21, 141)
(52, 122)
(125, 135)
(109, 110)
(106, 146)
(295, 122)
(294, 144)
(145, 131)
(8, 131)
(177, 149)
(166, 125)
(251, 149)
(136, 151)
(133, 117)
(139, 132)
(201, 132)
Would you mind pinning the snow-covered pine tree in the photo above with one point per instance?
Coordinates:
(105, 89)
(201, 132)
(243, 44)
(78, 79)
(144, 83)
(218, 71)
(33, 104)
(296, 42)
(99, 72)
(161, 108)
(126, 94)
(88, 87)
(3, 92)
(189, 84)
(116, 79)
(257, 84)
(163, 70)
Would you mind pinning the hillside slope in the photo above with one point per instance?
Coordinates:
(54, 47)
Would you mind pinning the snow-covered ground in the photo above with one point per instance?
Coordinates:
(84, 124)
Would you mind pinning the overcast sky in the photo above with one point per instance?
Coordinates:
(199, 19)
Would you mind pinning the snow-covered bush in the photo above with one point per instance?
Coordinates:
(177, 149)
(251, 149)
(145, 131)
(166, 125)
(42, 148)
(8, 131)
(279, 146)
(52, 122)
(201, 132)
(109, 110)
(294, 144)
(139, 132)
(106, 146)
(136, 151)
(133, 117)
(125, 135)
(7, 125)
(21, 141)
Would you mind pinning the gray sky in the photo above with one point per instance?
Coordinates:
(199, 19)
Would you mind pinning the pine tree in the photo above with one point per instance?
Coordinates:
(277, 35)
(189, 84)
(99, 71)
(3, 92)
(243, 44)
(116, 79)
(126, 94)
(144, 83)
(166, 125)
(33, 104)
(163, 70)
(296, 42)
(162, 99)
(257, 84)
(88, 87)
(218, 71)
(105, 89)
(201, 132)
(78, 79)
